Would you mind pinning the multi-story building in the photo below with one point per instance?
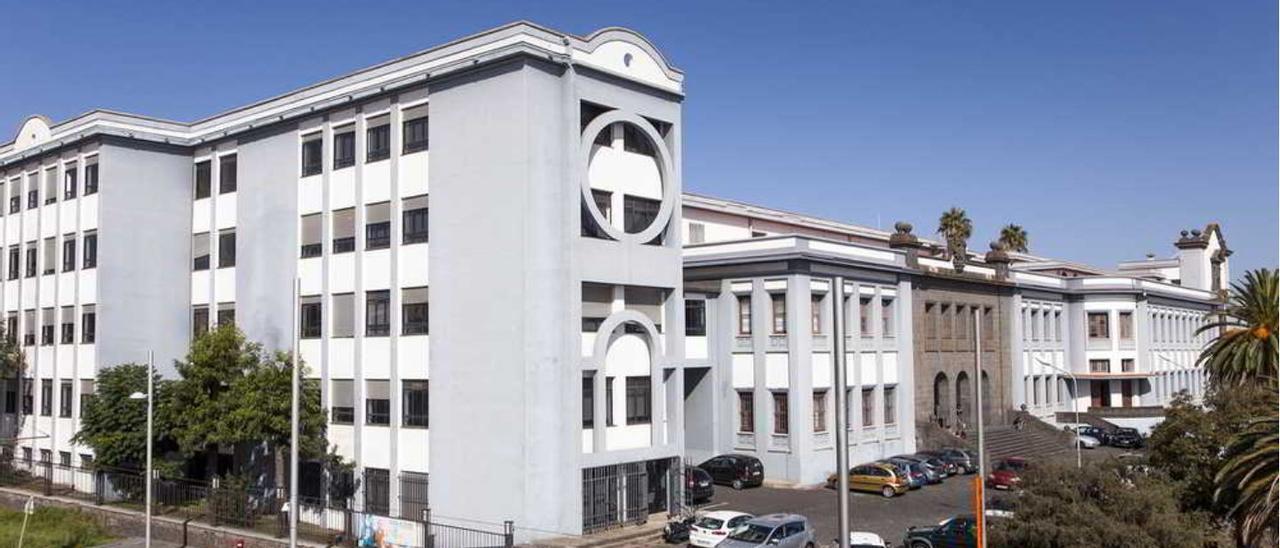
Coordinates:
(523, 187)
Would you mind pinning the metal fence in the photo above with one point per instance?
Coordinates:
(345, 522)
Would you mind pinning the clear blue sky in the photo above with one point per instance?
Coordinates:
(1102, 127)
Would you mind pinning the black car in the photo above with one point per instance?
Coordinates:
(1128, 438)
(957, 532)
(964, 461)
(697, 485)
(737, 471)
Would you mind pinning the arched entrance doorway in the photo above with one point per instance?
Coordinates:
(941, 400)
(964, 400)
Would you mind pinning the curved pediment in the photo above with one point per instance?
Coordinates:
(34, 131)
(625, 52)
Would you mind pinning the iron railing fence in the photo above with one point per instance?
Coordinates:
(333, 522)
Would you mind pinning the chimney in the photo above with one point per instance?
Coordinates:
(999, 258)
(1193, 259)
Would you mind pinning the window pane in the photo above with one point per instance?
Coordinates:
(415, 135)
(377, 314)
(378, 143)
(695, 318)
(344, 149)
(227, 174)
(415, 403)
(638, 400)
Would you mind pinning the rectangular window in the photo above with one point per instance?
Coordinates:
(377, 491)
(68, 252)
(1099, 325)
(415, 404)
(344, 315)
(15, 201)
(90, 179)
(310, 317)
(344, 149)
(312, 156)
(377, 143)
(864, 316)
(604, 203)
(227, 249)
(415, 135)
(639, 401)
(415, 220)
(639, 213)
(69, 183)
(90, 250)
(344, 231)
(695, 318)
(886, 317)
(50, 256)
(15, 261)
(1099, 366)
(815, 313)
(200, 252)
(46, 455)
(50, 185)
(227, 174)
(780, 415)
(744, 314)
(33, 196)
(46, 397)
(868, 407)
(26, 455)
(819, 410)
(86, 395)
(1126, 325)
(10, 396)
(1126, 365)
(64, 401)
(311, 237)
(28, 402)
(608, 401)
(204, 179)
(342, 401)
(64, 457)
(88, 324)
(46, 326)
(588, 401)
(890, 406)
(746, 411)
(29, 328)
(779, 309)
(68, 328)
(199, 321)
(377, 402)
(31, 260)
(377, 314)
(415, 311)
(377, 228)
(697, 233)
(226, 313)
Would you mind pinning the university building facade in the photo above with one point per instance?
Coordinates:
(594, 325)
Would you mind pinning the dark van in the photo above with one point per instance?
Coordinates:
(737, 471)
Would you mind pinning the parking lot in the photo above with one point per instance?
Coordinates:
(888, 518)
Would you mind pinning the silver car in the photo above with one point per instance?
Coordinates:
(781, 530)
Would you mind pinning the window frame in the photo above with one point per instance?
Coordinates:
(639, 400)
(413, 141)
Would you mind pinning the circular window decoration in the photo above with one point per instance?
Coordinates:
(626, 177)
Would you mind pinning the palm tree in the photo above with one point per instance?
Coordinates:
(1013, 238)
(1244, 351)
(1243, 354)
(955, 227)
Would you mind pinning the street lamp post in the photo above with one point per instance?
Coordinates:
(150, 409)
(982, 452)
(1075, 404)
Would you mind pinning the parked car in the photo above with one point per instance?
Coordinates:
(697, 485)
(737, 471)
(917, 473)
(1128, 438)
(937, 464)
(1087, 442)
(1100, 434)
(931, 474)
(874, 478)
(859, 539)
(963, 459)
(711, 528)
(1007, 473)
(957, 532)
(780, 530)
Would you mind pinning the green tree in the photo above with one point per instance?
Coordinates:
(1243, 355)
(955, 228)
(115, 425)
(1106, 505)
(1013, 238)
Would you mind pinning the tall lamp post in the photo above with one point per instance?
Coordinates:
(1075, 404)
(982, 452)
(150, 409)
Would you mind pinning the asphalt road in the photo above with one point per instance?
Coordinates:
(888, 518)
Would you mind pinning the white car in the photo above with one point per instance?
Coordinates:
(711, 528)
(858, 539)
(1087, 442)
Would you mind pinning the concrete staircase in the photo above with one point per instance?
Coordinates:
(1031, 442)
(1068, 417)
